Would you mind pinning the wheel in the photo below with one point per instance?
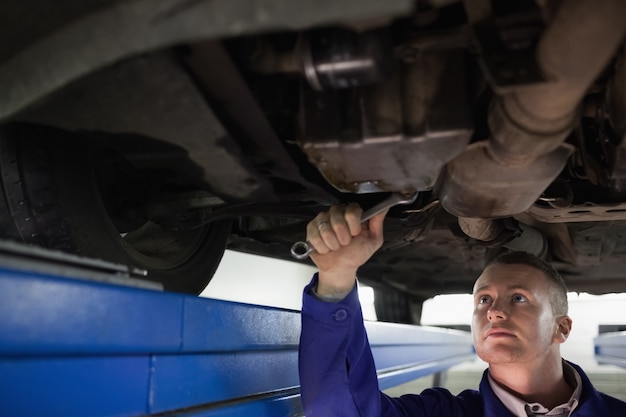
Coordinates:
(52, 197)
(397, 307)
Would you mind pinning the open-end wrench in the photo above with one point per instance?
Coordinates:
(302, 250)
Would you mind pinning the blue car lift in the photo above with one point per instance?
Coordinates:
(610, 349)
(81, 337)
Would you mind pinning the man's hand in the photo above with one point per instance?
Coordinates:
(342, 244)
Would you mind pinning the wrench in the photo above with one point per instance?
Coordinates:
(302, 250)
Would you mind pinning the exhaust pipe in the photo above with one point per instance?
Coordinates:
(506, 174)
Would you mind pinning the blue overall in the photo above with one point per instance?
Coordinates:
(338, 375)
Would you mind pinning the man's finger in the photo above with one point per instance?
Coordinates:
(353, 215)
(324, 228)
(340, 225)
(313, 232)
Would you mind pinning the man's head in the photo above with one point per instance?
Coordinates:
(520, 311)
(558, 289)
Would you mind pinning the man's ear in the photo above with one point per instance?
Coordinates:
(563, 328)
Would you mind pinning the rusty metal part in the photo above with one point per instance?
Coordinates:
(526, 152)
(425, 208)
(601, 142)
(477, 186)
(577, 45)
(263, 57)
(447, 39)
(558, 195)
(586, 212)
(491, 232)
(302, 250)
(512, 144)
(557, 235)
(392, 136)
(531, 240)
(594, 243)
(481, 229)
(339, 58)
(507, 233)
(504, 43)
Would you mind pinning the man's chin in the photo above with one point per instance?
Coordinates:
(497, 355)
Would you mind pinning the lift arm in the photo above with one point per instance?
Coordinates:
(76, 346)
(610, 348)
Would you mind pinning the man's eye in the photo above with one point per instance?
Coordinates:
(484, 299)
(518, 298)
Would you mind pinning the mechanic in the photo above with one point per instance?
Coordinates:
(519, 321)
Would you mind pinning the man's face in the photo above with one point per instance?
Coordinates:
(513, 319)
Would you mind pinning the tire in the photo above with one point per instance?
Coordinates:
(51, 198)
(394, 306)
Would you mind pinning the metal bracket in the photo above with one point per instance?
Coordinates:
(506, 51)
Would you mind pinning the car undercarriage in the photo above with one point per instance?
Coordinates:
(159, 133)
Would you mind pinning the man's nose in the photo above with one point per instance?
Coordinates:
(497, 311)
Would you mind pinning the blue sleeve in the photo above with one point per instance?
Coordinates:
(337, 370)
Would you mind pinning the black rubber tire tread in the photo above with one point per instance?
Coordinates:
(50, 194)
(28, 192)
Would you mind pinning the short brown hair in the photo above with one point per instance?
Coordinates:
(559, 289)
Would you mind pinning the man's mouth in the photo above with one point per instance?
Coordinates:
(496, 332)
